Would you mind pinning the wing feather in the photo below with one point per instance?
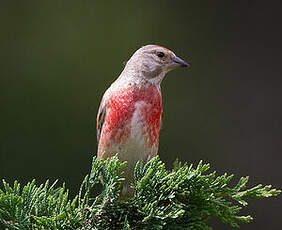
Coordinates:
(101, 117)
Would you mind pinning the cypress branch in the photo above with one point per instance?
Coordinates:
(182, 198)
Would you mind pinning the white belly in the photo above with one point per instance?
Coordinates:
(137, 145)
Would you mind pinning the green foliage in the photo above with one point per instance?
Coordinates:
(182, 198)
(32, 207)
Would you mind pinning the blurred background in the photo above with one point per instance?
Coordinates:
(58, 57)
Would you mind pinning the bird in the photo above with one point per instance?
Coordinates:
(130, 112)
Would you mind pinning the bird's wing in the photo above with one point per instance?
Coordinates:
(101, 118)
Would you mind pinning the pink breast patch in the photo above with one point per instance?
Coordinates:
(121, 107)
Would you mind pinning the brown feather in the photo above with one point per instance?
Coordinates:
(101, 116)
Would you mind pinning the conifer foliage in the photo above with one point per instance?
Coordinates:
(182, 198)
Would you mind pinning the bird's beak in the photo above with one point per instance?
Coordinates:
(177, 62)
(180, 62)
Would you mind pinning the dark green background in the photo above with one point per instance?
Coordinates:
(58, 57)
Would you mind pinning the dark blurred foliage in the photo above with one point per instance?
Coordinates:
(58, 57)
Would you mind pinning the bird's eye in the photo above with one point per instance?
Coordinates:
(160, 54)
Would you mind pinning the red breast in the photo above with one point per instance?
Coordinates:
(122, 105)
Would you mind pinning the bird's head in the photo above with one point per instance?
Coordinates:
(152, 62)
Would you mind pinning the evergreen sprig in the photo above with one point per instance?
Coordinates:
(182, 198)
